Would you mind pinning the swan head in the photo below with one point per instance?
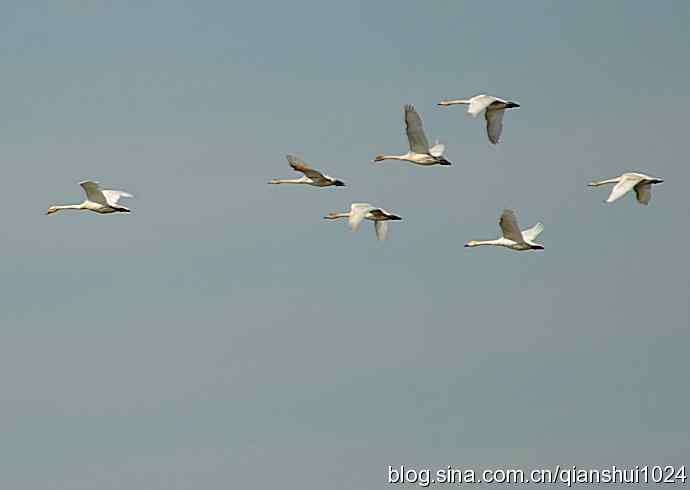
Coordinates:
(471, 243)
(52, 209)
(511, 105)
(339, 183)
(379, 158)
(332, 216)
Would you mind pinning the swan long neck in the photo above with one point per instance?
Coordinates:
(337, 215)
(68, 206)
(478, 243)
(391, 157)
(603, 182)
(453, 102)
(286, 181)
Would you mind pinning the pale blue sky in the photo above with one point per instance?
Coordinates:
(223, 335)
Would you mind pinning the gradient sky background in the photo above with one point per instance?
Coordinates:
(223, 335)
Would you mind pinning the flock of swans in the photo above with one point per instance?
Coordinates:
(420, 153)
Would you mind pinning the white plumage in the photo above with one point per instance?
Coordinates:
(641, 183)
(494, 109)
(98, 200)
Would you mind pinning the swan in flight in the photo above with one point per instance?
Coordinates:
(311, 176)
(420, 152)
(625, 183)
(97, 200)
(511, 236)
(495, 108)
(360, 211)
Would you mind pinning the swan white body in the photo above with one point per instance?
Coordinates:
(360, 211)
(641, 183)
(420, 152)
(97, 200)
(493, 108)
(311, 176)
(511, 236)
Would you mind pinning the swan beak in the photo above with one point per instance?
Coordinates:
(396, 218)
(513, 104)
(339, 183)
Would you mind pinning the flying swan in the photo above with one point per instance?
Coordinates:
(625, 183)
(419, 153)
(97, 200)
(495, 108)
(512, 237)
(311, 176)
(360, 211)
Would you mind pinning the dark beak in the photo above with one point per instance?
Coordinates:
(513, 104)
(466, 245)
(396, 218)
(339, 183)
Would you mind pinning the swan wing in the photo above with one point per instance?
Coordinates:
(531, 234)
(114, 196)
(415, 131)
(300, 166)
(93, 192)
(437, 150)
(624, 186)
(509, 226)
(480, 102)
(358, 211)
(381, 228)
(494, 124)
(643, 193)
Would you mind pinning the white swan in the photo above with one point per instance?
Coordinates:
(360, 211)
(420, 152)
(512, 237)
(97, 200)
(495, 108)
(625, 183)
(311, 176)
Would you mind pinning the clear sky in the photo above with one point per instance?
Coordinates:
(224, 335)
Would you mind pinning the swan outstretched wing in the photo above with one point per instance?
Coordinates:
(415, 131)
(531, 234)
(93, 192)
(643, 193)
(509, 226)
(358, 211)
(300, 166)
(381, 228)
(114, 196)
(479, 103)
(494, 124)
(624, 186)
(437, 150)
